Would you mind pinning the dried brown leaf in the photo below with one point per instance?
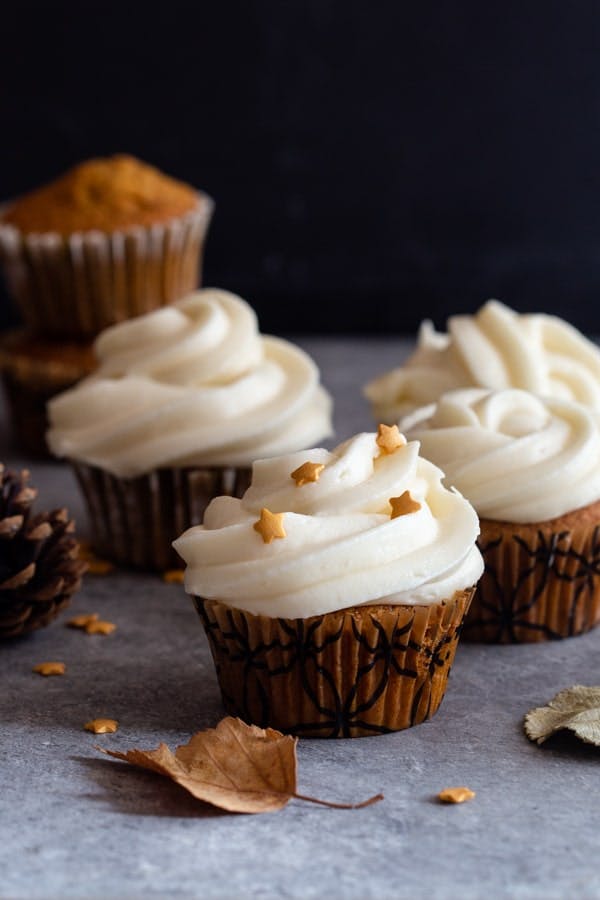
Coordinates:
(235, 767)
(576, 708)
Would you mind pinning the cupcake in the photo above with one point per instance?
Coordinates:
(110, 239)
(33, 371)
(333, 592)
(530, 466)
(495, 349)
(183, 400)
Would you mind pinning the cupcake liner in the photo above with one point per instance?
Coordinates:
(359, 671)
(135, 520)
(541, 581)
(32, 373)
(75, 286)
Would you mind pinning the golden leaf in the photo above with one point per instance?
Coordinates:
(576, 708)
(235, 767)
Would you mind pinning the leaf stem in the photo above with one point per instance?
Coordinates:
(332, 805)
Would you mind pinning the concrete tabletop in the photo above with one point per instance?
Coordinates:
(74, 824)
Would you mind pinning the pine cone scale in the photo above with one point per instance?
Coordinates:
(40, 568)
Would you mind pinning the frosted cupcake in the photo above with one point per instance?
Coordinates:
(531, 468)
(333, 592)
(495, 349)
(182, 402)
(109, 239)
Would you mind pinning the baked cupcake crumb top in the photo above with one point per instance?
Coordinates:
(102, 194)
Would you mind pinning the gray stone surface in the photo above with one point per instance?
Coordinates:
(75, 824)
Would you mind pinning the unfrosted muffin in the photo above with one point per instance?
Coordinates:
(33, 371)
(495, 349)
(110, 239)
(333, 592)
(531, 468)
(182, 402)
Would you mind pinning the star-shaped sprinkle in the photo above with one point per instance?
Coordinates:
(96, 565)
(173, 576)
(102, 726)
(270, 525)
(98, 626)
(403, 505)
(83, 620)
(307, 472)
(456, 795)
(50, 668)
(389, 438)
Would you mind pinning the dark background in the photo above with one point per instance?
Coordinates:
(372, 163)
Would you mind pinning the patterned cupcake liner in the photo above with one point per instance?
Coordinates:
(541, 582)
(75, 286)
(359, 671)
(31, 377)
(135, 520)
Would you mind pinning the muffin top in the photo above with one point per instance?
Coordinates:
(102, 194)
(517, 457)
(190, 384)
(35, 360)
(367, 523)
(496, 349)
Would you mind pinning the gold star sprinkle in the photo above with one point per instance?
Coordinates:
(456, 795)
(173, 576)
(403, 505)
(308, 471)
(389, 438)
(102, 726)
(97, 626)
(83, 620)
(270, 525)
(50, 668)
(96, 565)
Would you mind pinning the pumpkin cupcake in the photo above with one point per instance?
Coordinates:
(110, 239)
(495, 349)
(332, 593)
(531, 468)
(182, 402)
(33, 371)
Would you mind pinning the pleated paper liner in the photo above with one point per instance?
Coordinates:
(541, 581)
(73, 287)
(33, 371)
(360, 671)
(135, 520)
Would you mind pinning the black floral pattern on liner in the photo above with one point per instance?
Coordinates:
(342, 716)
(501, 613)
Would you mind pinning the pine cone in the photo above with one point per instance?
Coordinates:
(39, 565)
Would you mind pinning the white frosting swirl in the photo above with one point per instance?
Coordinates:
(193, 383)
(496, 348)
(342, 548)
(517, 457)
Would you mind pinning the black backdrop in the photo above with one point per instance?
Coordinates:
(372, 163)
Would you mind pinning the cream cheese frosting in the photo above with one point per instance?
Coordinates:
(517, 457)
(342, 547)
(193, 383)
(496, 349)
